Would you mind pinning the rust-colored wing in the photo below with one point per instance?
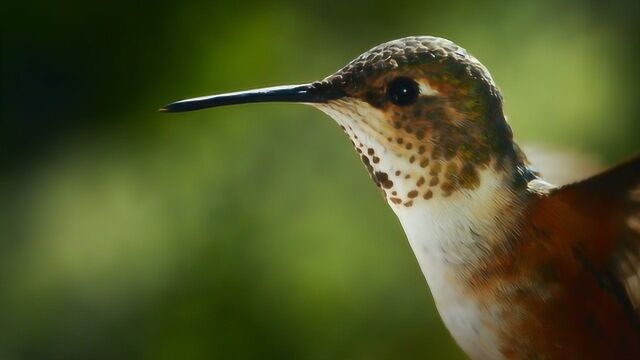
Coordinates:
(609, 205)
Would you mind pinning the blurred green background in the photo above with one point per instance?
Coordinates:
(249, 232)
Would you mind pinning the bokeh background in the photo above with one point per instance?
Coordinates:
(249, 232)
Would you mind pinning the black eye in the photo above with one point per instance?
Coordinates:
(403, 91)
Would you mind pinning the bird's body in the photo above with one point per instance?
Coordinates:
(519, 269)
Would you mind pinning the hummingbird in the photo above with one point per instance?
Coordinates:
(518, 268)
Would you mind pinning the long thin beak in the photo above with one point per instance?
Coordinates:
(307, 93)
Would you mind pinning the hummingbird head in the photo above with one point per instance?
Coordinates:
(424, 115)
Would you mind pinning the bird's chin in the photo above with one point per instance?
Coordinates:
(365, 125)
(393, 167)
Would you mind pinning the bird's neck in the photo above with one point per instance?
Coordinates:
(462, 228)
(451, 238)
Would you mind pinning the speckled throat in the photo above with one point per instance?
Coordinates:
(407, 163)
